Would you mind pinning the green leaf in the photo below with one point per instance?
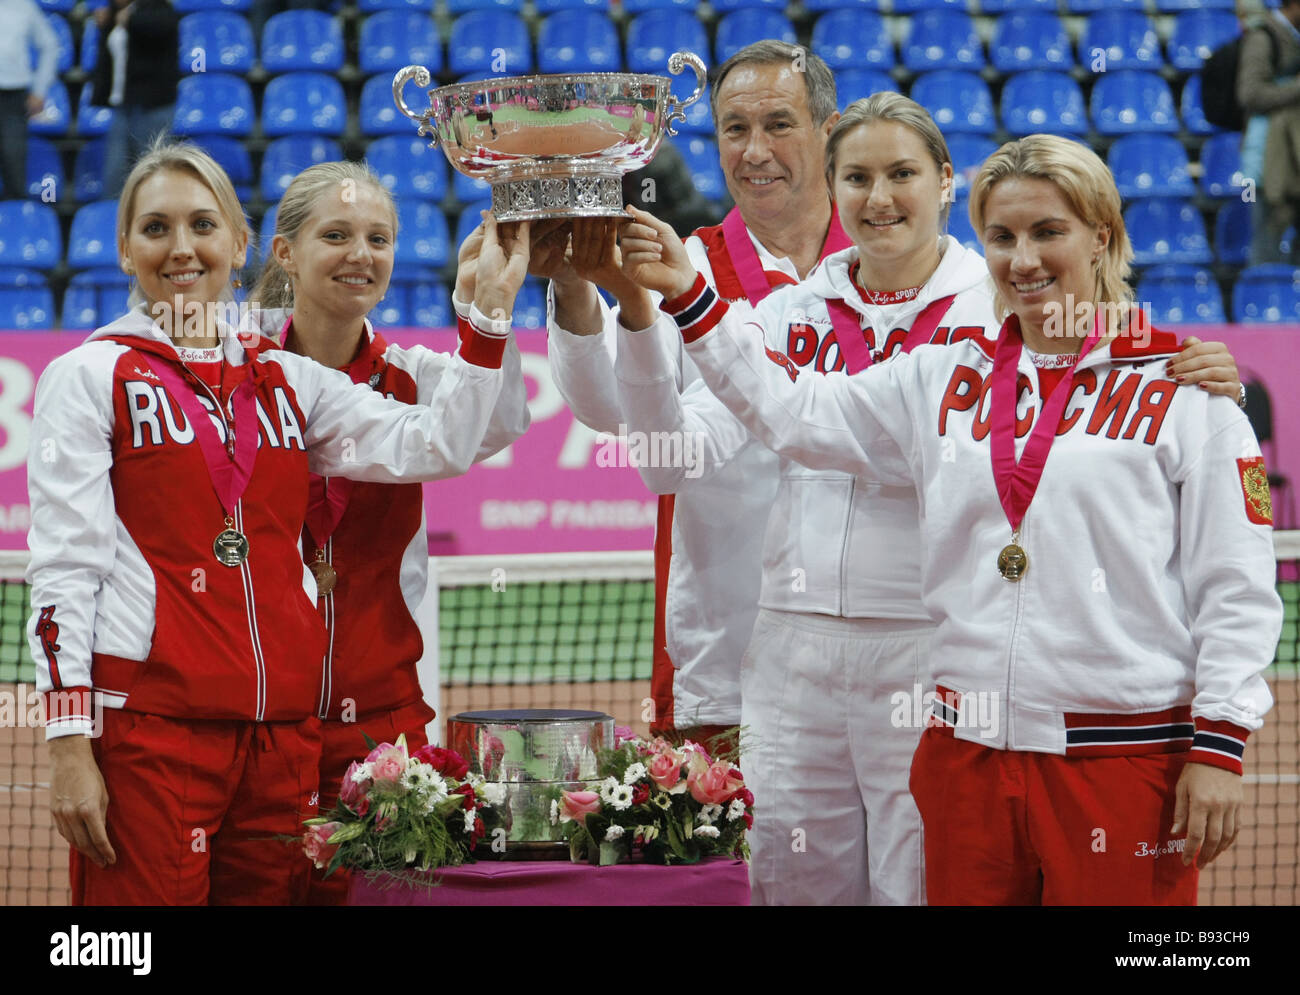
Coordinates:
(349, 832)
(370, 743)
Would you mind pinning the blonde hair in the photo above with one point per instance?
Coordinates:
(274, 289)
(181, 157)
(890, 106)
(1088, 187)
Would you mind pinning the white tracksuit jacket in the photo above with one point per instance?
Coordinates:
(834, 544)
(1150, 586)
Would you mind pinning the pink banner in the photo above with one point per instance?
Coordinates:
(547, 493)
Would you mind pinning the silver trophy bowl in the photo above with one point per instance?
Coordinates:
(535, 753)
(552, 146)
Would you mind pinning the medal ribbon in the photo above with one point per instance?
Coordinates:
(744, 257)
(1017, 482)
(229, 467)
(853, 344)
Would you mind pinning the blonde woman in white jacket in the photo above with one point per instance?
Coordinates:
(1096, 664)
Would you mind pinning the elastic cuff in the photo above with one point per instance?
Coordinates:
(480, 347)
(460, 307)
(497, 327)
(1218, 744)
(677, 304)
(68, 711)
(700, 313)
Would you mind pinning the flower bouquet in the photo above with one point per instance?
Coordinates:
(673, 804)
(398, 811)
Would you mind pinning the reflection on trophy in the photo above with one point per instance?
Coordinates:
(552, 146)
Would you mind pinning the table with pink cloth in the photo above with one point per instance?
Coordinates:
(719, 881)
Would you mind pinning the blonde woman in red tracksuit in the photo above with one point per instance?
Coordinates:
(174, 622)
(330, 263)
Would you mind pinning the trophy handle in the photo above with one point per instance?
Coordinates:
(677, 108)
(422, 78)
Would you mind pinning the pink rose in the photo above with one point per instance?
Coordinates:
(374, 754)
(389, 766)
(664, 770)
(622, 734)
(351, 792)
(715, 784)
(577, 805)
(315, 843)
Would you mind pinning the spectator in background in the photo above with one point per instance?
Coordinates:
(22, 87)
(136, 74)
(1268, 87)
(262, 10)
(664, 188)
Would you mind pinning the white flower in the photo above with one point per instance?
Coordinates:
(607, 789)
(409, 855)
(634, 773)
(613, 833)
(647, 833)
(362, 773)
(709, 814)
(621, 797)
(735, 810)
(555, 812)
(494, 793)
(469, 820)
(708, 832)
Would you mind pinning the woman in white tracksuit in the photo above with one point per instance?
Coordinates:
(833, 680)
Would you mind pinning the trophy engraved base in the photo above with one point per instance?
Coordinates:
(571, 196)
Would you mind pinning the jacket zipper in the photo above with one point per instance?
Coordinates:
(327, 664)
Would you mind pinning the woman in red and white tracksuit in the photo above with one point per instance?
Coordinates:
(328, 266)
(1103, 618)
(172, 610)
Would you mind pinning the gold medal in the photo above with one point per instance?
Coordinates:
(326, 576)
(1012, 561)
(230, 546)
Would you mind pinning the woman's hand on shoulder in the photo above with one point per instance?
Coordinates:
(78, 798)
(1208, 365)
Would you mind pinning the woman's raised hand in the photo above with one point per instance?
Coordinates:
(654, 257)
(502, 266)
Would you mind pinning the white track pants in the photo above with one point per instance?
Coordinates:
(827, 755)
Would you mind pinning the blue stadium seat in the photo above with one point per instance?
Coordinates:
(853, 39)
(1127, 38)
(916, 6)
(1007, 6)
(1150, 166)
(266, 231)
(1181, 295)
(551, 6)
(422, 237)
(701, 155)
(958, 101)
(854, 84)
(1166, 231)
(304, 103)
(57, 6)
(578, 41)
(430, 304)
(56, 116)
(1267, 294)
(113, 289)
(29, 235)
(968, 154)
(390, 312)
(468, 190)
(43, 160)
(392, 39)
(213, 104)
(379, 115)
(302, 41)
(476, 34)
(743, 27)
(286, 157)
(530, 305)
(699, 115)
(1221, 165)
(727, 6)
(89, 45)
(1128, 101)
(88, 171)
(468, 219)
(370, 6)
(1192, 112)
(224, 41)
(1030, 40)
(1092, 6)
(30, 309)
(93, 238)
(80, 303)
(408, 167)
(820, 5)
(1197, 33)
(190, 6)
(1233, 227)
(942, 39)
(1043, 101)
(232, 155)
(63, 35)
(91, 121)
(652, 38)
(959, 226)
(465, 6)
(1168, 6)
